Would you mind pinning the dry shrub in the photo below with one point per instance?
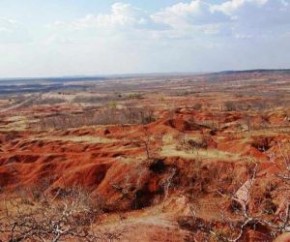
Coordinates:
(137, 115)
(135, 96)
(24, 218)
(49, 101)
(197, 106)
(187, 144)
(92, 99)
(110, 114)
(230, 106)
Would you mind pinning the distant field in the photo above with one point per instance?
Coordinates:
(21, 86)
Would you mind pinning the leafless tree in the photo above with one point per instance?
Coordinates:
(71, 217)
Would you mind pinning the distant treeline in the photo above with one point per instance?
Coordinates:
(286, 71)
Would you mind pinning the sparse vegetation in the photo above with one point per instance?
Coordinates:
(25, 218)
(176, 162)
(230, 106)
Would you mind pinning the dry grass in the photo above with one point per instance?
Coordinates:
(15, 123)
(79, 139)
(209, 154)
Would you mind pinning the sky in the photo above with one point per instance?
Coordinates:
(103, 37)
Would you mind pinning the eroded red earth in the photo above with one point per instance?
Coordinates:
(176, 175)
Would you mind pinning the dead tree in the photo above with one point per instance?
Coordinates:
(70, 218)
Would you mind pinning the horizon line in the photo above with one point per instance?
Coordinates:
(108, 76)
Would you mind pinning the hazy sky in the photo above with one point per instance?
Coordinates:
(97, 37)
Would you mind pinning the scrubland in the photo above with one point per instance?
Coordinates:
(176, 158)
